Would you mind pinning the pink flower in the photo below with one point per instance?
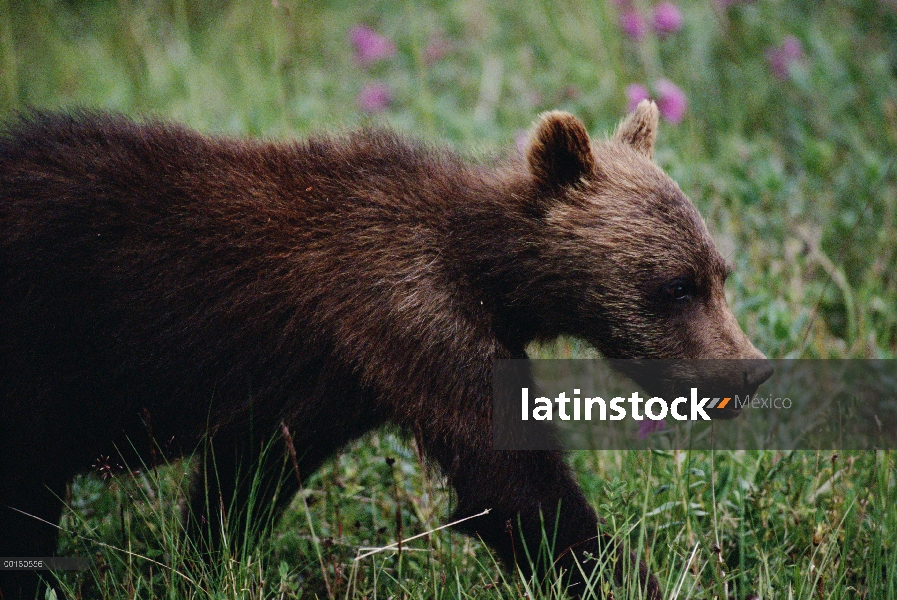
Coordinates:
(436, 49)
(374, 97)
(635, 93)
(370, 46)
(633, 25)
(649, 426)
(667, 18)
(670, 100)
(782, 58)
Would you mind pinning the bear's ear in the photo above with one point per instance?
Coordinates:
(639, 130)
(560, 151)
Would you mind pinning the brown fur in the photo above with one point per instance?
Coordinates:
(160, 285)
(639, 130)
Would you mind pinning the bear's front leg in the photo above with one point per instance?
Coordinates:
(530, 495)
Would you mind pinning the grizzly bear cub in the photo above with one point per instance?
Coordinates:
(159, 287)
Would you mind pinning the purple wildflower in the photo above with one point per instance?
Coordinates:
(436, 48)
(633, 25)
(374, 97)
(782, 58)
(667, 18)
(635, 93)
(671, 101)
(370, 46)
(649, 426)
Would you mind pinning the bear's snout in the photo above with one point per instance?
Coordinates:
(757, 372)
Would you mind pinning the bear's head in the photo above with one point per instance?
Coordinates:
(643, 278)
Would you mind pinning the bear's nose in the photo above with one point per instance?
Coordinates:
(757, 372)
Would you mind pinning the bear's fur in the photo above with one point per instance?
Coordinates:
(158, 286)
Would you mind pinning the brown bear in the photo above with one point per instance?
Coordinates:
(158, 285)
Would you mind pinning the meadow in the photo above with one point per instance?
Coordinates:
(779, 121)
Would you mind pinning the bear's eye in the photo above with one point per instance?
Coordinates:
(679, 290)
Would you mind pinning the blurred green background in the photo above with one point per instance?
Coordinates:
(786, 144)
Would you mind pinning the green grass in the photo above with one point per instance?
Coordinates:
(796, 179)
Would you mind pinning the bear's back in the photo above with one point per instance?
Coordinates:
(181, 264)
